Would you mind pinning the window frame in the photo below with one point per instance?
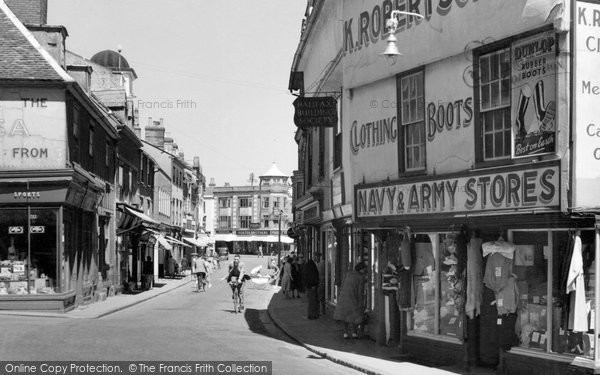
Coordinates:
(488, 48)
(504, 47)
(402, 138)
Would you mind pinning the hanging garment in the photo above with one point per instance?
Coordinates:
(508, 298)
(474, 278)
(405, 255)
(499, 247)
(578, 311)
(404, 291)
(423, 258)
(497, 271)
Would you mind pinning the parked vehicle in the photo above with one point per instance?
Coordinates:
(223, 253)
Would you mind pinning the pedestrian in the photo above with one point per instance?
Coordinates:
(171, 266)
(199, 269)
(148, 272)
(295, 284)
(301, 275)
(286, 278)
(350, 308)
(321, 288)
(208, 267)
(260, 251)
(311, 280)
(184, 264)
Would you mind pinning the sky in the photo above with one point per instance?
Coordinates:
(216, 71)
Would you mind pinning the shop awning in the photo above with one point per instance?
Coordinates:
(200, 242)
(175, 241)
(141, 216)
(225, 237)
(131, 219)
(163, 242)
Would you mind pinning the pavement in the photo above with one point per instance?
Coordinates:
(111, 304)
(324, 337)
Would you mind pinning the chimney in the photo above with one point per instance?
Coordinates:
(82, 74)
(30, 12)
(212, 182)
(155, 133)
(168, 144)
(196, 162)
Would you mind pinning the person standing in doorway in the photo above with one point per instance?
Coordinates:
(148, 271)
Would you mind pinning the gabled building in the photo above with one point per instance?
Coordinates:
(468, 165)
(57, 171)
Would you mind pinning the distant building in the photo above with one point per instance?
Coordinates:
(247, 217)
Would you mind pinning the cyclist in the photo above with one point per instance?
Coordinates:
(236, 279)
(199, 269)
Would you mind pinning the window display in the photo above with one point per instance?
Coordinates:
(561, 321)
(438, 279)
(15, 250)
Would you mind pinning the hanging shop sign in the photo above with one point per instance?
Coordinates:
(586, 132)
(533, 94)
(315, 112)
(30, 129)
(514, 190)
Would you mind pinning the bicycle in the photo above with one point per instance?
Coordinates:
(201, 282)
(235, 288)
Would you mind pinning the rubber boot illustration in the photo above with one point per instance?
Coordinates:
(544, 113)
(524, 97)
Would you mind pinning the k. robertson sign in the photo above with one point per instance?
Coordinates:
(530, 188)
(315, 112)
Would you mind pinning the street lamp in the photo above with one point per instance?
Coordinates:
(391, 51)
(279, 213)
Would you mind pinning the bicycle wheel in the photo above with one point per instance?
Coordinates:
(236, 299)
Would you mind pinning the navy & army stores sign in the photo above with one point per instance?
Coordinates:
(530, 188)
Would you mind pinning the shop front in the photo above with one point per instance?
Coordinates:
(477, 268)
(48, 240)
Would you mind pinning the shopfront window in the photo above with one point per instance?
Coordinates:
(15, 249)
(555, 273)
(437, 286)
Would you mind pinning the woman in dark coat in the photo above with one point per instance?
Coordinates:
(350, 308)
(311, 279)
(295, 286)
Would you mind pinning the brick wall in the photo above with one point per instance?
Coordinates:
(33, 12)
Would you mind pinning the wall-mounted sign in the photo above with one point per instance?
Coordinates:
(35, 229)
(315, 112)
(254, 225)
(33, 130)
(252, 232)
(534, 95)
(15, 230)
(530, 188)
(586, 131)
